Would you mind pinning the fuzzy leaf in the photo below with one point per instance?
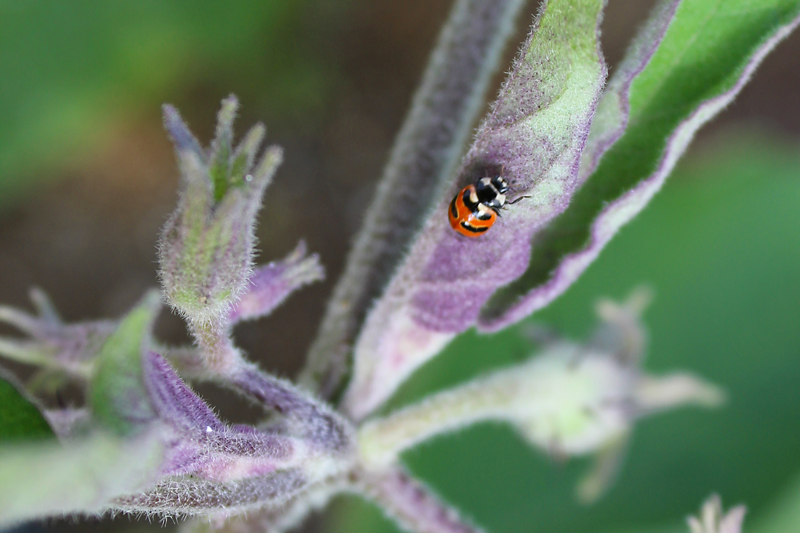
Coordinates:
(707, 55)
(309, 448)
(426, 152)
(47, 479)
(274, 519)
(70, 348)
(192, 496)
(272, 283)
(327, 432)
(174, 401)
(20, 419)
(117, 395)
(533, 136)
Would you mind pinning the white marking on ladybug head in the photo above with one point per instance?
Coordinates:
(484, 211)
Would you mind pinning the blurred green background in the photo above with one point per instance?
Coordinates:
(87, 177)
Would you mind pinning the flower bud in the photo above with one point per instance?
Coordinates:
(572, 399)
(206, 247)
(712, 519)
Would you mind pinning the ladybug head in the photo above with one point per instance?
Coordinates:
(500, 184)
(491, 192)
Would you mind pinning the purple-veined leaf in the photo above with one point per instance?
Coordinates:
(534, 136)
(425, 154)
(709, 52)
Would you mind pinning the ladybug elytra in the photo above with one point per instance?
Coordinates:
(476, 207)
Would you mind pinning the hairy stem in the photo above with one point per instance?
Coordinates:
(424, 155)
(412, 505)
(317, 423)
(383, 439)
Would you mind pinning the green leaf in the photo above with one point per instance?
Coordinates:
(117, 394)
(49, 479)
(20, 419)
(708, 53)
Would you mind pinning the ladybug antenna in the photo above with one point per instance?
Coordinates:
(517, 200)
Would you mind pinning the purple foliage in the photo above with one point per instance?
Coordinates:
(173, 400)
(625, 208)
(204, 446)
(314, 421)
(70, 347)
(459, 274)
(272, 283)
(189, 497)
(413, 505)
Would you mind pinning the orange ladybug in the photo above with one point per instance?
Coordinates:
(476, 207)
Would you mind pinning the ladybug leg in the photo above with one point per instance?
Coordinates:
(517, 200)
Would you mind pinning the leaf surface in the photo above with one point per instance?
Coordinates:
(708, 54)
(20, 418)
(533, 137)
(721, 249)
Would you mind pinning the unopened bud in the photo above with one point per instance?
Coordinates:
(712, 519)
(206, 248)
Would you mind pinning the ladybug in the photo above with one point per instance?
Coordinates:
(476, 207)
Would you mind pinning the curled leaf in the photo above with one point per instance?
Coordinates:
(426, 152)
(117, 394)
(533, 137)
(693, 75)
(272, 283)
